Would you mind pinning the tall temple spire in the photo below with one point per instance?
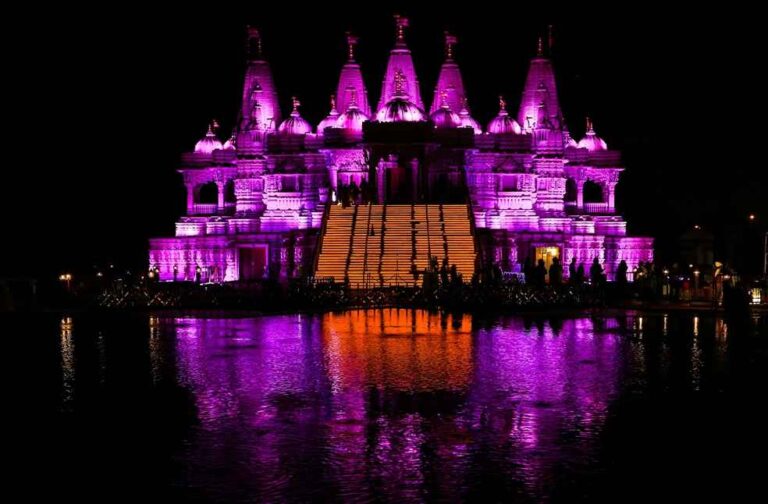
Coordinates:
(539, 87)
(449, 81)
(259, 109)
(351, 80)
(400, 60)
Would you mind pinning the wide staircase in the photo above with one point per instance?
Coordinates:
(383, 245)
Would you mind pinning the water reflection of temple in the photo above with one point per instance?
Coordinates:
(397, 349)
(377, 401)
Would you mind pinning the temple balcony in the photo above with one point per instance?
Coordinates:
(203, 209)
(513, 200)
(211, 209)
(597, 208)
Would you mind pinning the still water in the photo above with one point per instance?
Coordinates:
(394, 406)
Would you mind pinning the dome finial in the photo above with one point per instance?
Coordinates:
(351, 43)
(450, 41)
(590, 129)
(502, 105)
(540, 47)
(333, 103)
(401, 23)
(254, 43)
(296, 104)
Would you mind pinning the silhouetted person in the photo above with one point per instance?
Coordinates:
(596, 272)
(621, 273)
(455, 277)
(540, 274)
(572, 270)
(580, 274)
(556, 272)
(528, 269)
(736, 305)
(444, 272)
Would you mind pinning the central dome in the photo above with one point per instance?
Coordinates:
(400, 109)
(444, 117)
(352, 119)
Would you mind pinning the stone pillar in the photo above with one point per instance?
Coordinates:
(380, 181)
(190, 198)
(611, 187)
(334, 176)
(220, 195)
(415, 180)
(580, 194)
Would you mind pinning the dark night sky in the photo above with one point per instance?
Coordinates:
(106, 105)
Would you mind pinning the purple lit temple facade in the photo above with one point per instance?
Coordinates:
(256, 202)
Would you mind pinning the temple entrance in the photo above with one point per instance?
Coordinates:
(253, 263)
(399, 184)
(547, 254)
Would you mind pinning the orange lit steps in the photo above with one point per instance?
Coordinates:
(374, 245)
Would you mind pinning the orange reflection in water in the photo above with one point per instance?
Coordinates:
(398, 349)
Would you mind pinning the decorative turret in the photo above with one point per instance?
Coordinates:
(351, 121)
(295, 124)
(231, 143)
(400, 108)
(260, 109)
(351, 79)
(400, 61)
(539, 88)
(591, 141)
(210, 142)
(449, 81)
(503, 123)
(330, 119)
(568, 141)
(444, 117)
(466, 119)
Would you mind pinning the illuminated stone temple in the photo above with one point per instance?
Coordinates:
(418, 180)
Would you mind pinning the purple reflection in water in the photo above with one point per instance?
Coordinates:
(391, 402)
